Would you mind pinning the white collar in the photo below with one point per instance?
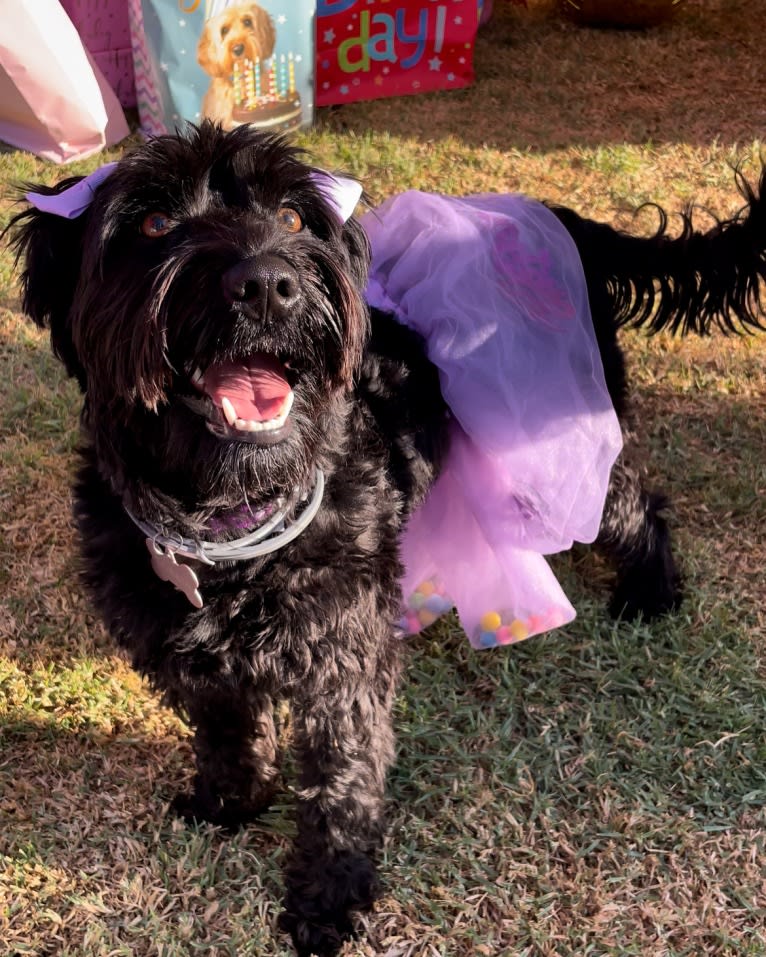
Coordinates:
(267, 538)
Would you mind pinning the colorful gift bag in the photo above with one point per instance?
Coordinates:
(371, 48)
(104, 29)
(230, 61)
(54, 101)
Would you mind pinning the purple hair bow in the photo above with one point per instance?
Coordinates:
(342, 193)
(73, 201)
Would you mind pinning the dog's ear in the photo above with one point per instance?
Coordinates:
(359, 253)
(208, 56)
(50, 248)
(357, 315)
(264, 31)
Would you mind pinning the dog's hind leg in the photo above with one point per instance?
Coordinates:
(634, 534)
(235, 744)
(345, 745)
(635, 537)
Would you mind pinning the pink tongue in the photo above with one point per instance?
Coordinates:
(256, 387)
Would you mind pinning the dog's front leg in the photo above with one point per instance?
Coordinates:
(235, 744)
(345, 745)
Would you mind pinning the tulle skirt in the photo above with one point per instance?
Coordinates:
(495, 286)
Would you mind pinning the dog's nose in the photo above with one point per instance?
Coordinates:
(266, 283)
(239, 49)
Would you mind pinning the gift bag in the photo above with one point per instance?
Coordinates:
(230, 61)
(104, 30)
(371, 48)
(54, 100)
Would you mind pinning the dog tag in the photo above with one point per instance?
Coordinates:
(182, 576)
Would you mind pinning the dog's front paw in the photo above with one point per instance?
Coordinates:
(323, 937)
(231, 813)
(321, 898)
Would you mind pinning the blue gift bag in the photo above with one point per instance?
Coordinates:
(233, 62)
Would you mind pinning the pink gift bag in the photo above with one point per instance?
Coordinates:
(54, 101)
(104, 28)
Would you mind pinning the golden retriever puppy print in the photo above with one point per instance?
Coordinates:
(238, 36)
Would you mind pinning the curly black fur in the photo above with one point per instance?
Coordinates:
(692, 282)
(133, 316)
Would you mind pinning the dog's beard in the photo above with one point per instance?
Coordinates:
(250, 398)
(186, 389)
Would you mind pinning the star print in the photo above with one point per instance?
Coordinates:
(458, 21)
(182, 23)
(329, 36)
(344, 89)
(281, 19)
(450, 77)
(164, 67)
(435, 64)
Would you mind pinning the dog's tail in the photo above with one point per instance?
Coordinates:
(691, 283)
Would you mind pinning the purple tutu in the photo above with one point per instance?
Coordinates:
(495, 286)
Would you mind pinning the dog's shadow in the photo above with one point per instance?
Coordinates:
(88, 829)
(605, 727)
(545, 84)
(604, 735)
(514, 764)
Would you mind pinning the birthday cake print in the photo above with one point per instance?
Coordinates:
(231, 61)
(265, 93)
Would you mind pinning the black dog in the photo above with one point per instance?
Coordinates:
(208, 253)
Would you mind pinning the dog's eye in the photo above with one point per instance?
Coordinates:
(156, 224)
(247, 22)
(289, 220)
(224, 31)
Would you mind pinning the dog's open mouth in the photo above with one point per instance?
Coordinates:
(252, 397)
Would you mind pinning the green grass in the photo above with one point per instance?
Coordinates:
(595, 792)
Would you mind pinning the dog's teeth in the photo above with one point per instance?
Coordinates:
(230, 412)
(288, 407)
(253, 425)
(245, 425)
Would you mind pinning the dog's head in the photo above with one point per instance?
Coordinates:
(209, 299)
(243, 32)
